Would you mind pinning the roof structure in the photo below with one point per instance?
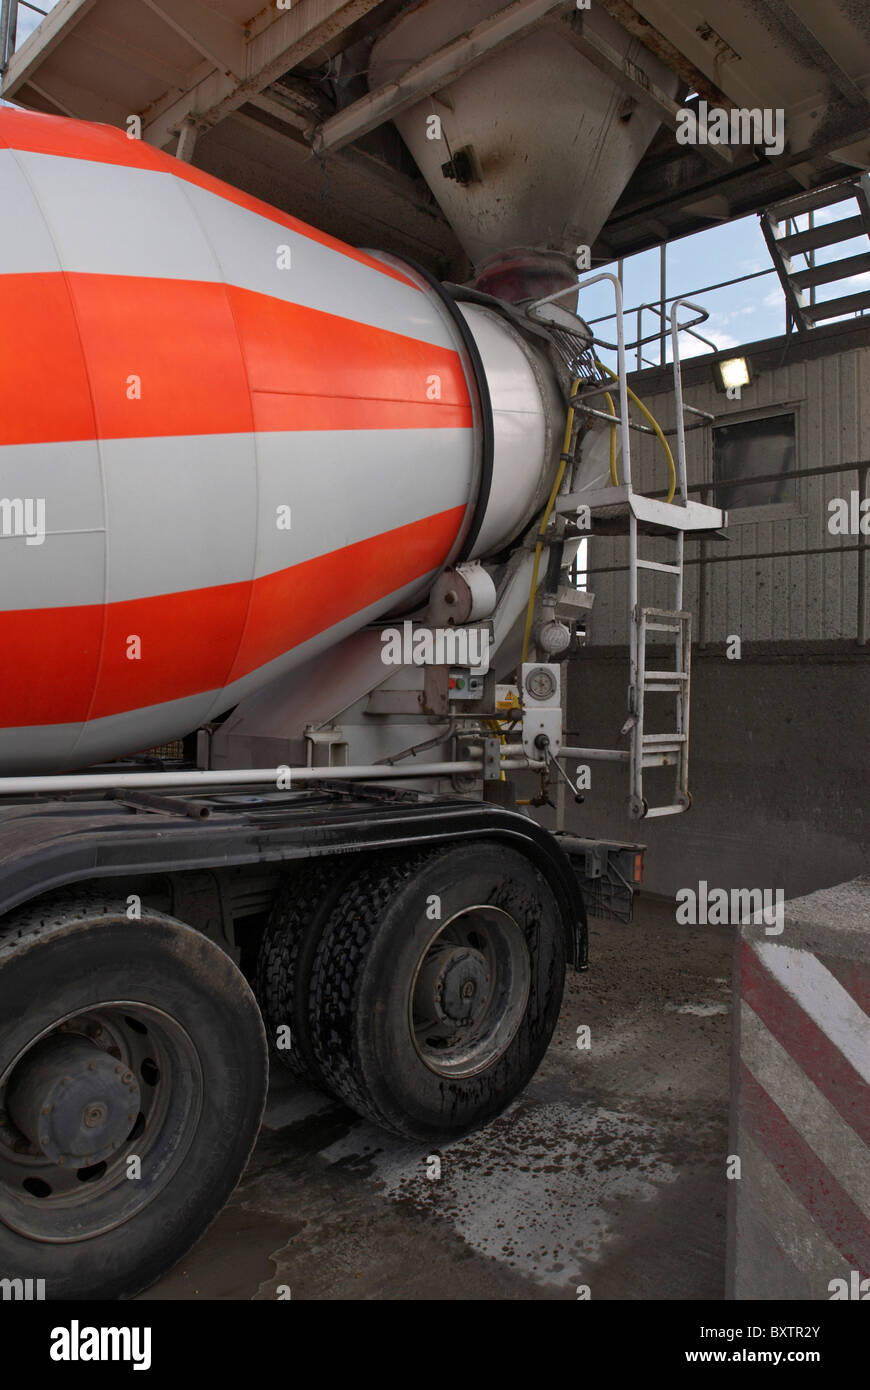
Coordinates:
(277, 101)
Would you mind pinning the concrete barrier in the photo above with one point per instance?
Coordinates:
(799, 1212)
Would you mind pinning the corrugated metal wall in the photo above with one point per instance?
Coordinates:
(801, 598)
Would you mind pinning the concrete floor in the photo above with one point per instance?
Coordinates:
(609, 1171)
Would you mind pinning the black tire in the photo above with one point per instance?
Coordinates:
(201, 1091)
(303, 904)
(369, 969)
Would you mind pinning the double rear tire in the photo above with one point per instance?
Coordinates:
(423, 991)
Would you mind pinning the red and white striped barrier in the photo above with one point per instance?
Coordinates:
(799, 1211)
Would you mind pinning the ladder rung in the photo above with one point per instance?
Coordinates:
(676, 615)
(659, 759)
(655, 687)
(665, 675)
(656, 565)
(663, 811)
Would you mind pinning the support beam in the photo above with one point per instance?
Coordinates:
(632, 80)
(187, 141)
(286, 40)
(801, 33)
(431, 73)
(53, 101)
(662, 48)
(282, 111)
(210, 33)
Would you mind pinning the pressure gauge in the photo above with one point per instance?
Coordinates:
(540, 683)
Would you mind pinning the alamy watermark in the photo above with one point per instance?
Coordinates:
(22, 1290)
(438, 646)
(721, 907)
(23, 516)
(77, 1343)
(849, 516)
(714, 125)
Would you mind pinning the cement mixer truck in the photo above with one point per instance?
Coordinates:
(307, 515)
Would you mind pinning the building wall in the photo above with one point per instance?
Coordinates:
(803, 598)
(780, 739)
(779, 770)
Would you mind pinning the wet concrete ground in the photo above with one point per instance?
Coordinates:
(609, 1170)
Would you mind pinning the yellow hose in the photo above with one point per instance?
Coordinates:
(542, 529)
(672, 472)
(614, 478)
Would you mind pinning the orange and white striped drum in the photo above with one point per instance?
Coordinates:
(226, 441)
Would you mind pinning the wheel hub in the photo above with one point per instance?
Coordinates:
(72, 1101)
(459, 980)
(470, 991)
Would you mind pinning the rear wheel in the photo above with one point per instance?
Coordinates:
(303, 904)
(436, 988)
(133, 1072)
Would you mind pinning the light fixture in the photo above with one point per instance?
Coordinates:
(731, 374)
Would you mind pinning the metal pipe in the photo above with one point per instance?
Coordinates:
(5, 31)
(603, 755)
(244, 777)
(861, 625)
(820, 471)
(614, 419)
(678, 391)
(508, 750)
(753, 555)
(703, 577)
(703, 289)
(233, 777)
(654, 337)
(663, 300)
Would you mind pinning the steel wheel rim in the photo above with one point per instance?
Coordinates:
(84, 1198)
(469, 992)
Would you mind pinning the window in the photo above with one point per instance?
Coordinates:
(746, 449)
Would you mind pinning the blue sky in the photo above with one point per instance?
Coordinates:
(738, 313)
(27, 20)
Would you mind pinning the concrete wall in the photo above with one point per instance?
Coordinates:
(779, 768)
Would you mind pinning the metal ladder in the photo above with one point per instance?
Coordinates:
(670, 749)
(648, 515)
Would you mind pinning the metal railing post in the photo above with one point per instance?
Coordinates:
(861, 623)
(663, 300)
(678, 393)
(6, 32)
